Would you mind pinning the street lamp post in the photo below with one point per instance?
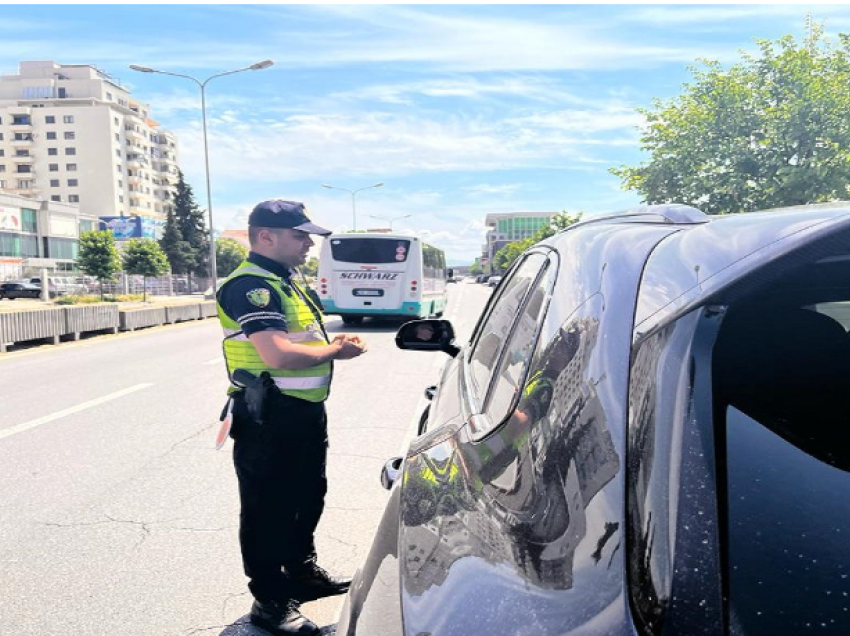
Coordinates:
(390, 220)
(202, 84)
(352, 193)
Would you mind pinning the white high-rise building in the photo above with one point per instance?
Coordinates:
(71, 133)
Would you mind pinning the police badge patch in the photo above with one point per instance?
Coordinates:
(259, 297)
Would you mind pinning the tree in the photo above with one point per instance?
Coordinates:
(771, 131)
(180, 254)
(311, 267)
(144, 257)
(228, 255)
(99, 256)
(189, 219)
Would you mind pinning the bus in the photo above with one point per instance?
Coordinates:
(381, 275)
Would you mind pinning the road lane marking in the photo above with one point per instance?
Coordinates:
(20, 428)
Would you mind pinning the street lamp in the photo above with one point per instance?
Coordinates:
(202, 85)
(390, 220)
(352, 193)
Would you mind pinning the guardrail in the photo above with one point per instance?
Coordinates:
(71, 321)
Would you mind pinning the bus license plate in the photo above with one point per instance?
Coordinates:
(368, 292)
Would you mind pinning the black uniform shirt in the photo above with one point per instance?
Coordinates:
(252, 302)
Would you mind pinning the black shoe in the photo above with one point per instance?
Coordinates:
(283, 618)
(311, 582)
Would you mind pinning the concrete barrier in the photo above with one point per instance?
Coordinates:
(96, 317)
(20, 326)
(177, 313)
(55, 322)
(207, 309)
(131, 319)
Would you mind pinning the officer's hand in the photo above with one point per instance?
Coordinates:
(348, 347)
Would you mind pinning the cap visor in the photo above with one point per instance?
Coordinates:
(312, 228)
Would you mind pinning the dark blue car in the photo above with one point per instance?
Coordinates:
(645, 434)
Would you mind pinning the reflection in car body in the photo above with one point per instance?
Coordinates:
(642, 436)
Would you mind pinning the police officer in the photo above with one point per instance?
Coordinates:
(272, 325)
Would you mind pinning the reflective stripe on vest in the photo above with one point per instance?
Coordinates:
(309, 384)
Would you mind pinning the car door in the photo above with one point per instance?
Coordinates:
(511, 522)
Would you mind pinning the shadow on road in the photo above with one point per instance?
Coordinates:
(243, 627)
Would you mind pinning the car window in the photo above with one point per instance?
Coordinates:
(506, 337)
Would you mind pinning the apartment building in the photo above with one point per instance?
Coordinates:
(70, 133)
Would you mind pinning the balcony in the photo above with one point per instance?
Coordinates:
(134, 133)
(22, 139)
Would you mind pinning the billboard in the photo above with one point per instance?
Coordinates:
(127, 227)
(10, 219)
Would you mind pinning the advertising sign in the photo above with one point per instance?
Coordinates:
(127, 227)
(10, 219)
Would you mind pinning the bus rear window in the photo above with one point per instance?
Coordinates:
(369, 250)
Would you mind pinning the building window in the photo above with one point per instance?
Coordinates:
(53, 167)
(2, 183)
(121, 198)
(120, 183)
(119, 168)
(1, 136)
(70, 134)
(51, 135)
(115, 119)
(109, 96)
(73, 183)
(70, 151)
(71, 167)
(52, 151)
(24, 168)
(55, 197)
(73, 198)
(21, 120)
(2, 152)
(49, 119)
(2, 168)
(68, 119)
(117, 137)
(117, 152)
(54, 183)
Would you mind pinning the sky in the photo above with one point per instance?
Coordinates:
(459, 110)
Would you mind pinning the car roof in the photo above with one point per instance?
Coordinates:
(698, 263)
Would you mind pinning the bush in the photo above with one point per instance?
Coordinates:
(90, 299)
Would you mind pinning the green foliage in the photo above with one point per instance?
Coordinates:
(189, 220)
(99, 256)
(310, 268)
(180, 254)
(144, 257)
(770, 131)
(228, 254)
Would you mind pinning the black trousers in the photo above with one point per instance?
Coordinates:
(280, 466)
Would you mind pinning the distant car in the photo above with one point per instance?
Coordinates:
(15, 290)
(493, 281)
(645, 434)
(55, 286)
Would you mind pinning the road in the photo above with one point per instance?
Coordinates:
(117, 514)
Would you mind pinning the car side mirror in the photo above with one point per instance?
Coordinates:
(427, 335)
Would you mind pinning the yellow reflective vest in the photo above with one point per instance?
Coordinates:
(304, 327)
